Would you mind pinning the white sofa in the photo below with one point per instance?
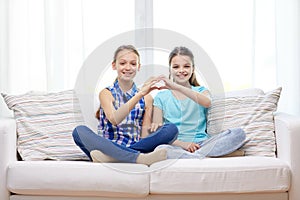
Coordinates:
(230, 178)
(259, 178)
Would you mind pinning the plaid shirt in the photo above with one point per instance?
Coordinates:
(129, 130)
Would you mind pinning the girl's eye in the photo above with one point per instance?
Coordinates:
(175, 66)
(187, 66)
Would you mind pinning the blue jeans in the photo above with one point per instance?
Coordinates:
(88, 141)
(217, 145)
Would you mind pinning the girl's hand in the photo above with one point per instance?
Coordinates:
(154, 126)
(168, 83)
(149, 85)
(190, 146)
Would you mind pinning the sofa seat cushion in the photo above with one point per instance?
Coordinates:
(220, 175)
(78, 178)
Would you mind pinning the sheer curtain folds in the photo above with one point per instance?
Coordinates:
(43, 43)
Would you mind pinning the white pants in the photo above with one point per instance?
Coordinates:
(217, 145)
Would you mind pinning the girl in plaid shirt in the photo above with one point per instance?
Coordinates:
(125, 117)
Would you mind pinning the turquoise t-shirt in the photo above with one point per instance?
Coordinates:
(187, 115)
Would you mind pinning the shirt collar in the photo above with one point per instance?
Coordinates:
(129, 94)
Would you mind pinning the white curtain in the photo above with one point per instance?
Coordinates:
(288, 54)
(41, 45)
(44, 43)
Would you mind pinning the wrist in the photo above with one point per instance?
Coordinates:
(140, 94)
(175, 86)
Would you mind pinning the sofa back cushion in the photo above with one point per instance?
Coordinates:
(45, 122)
(253, 113)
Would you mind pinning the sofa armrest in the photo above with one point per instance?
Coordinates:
(287, 130)
(8, 151)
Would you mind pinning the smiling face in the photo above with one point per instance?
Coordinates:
(127, 64)
(181, 69)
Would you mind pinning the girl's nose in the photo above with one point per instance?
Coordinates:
(127, 66)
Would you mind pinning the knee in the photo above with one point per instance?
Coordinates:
(77, 132)
(172, 128)
(171, 132)
(238, 132)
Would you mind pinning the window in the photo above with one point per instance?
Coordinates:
(238, 36)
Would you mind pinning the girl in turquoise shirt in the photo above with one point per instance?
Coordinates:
(185, 104)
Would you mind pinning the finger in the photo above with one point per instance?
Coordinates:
(154, 81)
(163, 87)
(195, 148)
(152, 127)
(190, 148)
(155, 88)
(150, 80)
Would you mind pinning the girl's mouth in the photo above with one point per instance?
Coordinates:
(181, 76)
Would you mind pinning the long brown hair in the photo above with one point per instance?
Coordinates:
(118, 50)
(183, 51)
